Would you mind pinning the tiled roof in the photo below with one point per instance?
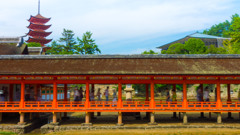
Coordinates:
(121, 65)
(12, 46)
(199, 35)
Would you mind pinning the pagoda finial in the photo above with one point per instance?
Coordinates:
(38, 6)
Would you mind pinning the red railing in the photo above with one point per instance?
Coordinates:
(103, 104)
(70, 104)
(13, 104)
(61, 105)
(38, 104)
(135, 104)
(201, 105)
(168, 105)
(230, 105)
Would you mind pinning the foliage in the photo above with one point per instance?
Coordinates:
(67, 44)
(233, 46)
(149, 52)
(87, 45)
(191, 46)
(195, 46)
(68, 40)
(177, 48)
(221, 29)
(215, 50)
(33, 44)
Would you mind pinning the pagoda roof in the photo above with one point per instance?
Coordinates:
(38, 26)
(42, 41)
(37, 33)
(38, 19)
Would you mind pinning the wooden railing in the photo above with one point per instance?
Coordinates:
(38, 104)
(4, 105)
(201, 105)
(230, 105)
(103, 104)
(168, 105)
(68, 105)
(136, 104)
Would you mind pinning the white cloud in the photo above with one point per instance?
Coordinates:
(114, 20)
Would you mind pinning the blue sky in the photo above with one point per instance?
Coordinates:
(119, 26)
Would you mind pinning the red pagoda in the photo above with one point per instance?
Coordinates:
(37, 29)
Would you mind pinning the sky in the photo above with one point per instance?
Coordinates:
(119, 26)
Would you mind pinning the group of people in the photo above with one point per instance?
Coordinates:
(203, 95)
(173, 97)
(79, 94)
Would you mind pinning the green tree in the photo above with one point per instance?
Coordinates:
(221, 29)
(177, 48)
(33, 44)
(232, 46)
(67, 44)
(68, 40)
(149, 52)
(87, 45)
(195, 46)
(215, 50)
(191, 46)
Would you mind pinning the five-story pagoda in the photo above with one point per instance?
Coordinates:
(37, 29)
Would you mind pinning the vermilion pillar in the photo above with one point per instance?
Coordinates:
(87, 95)
(54, 94)
(152, 95)
(11, 92)
(218, 95)
(147, 92)
(119, 95)
(184, 94)
(22, 94)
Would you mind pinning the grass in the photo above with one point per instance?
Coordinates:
(6, 133)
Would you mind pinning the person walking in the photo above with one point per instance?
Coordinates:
(174, 95)
(167, 94)
(80, 94)
(76, 94)
(206, 94)
(106, 93)
(99, 94)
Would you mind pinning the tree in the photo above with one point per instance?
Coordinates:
(232, 46)
(221, 29)
(215, 50)
(149, 52)
(177, 48)
(68, 45)
(87, 45)
(33, 44)
(195, 46)
(191, 46)
(68, 39)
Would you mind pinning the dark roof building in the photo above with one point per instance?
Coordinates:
(120, 65)
(207, 39)
(12, 46)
